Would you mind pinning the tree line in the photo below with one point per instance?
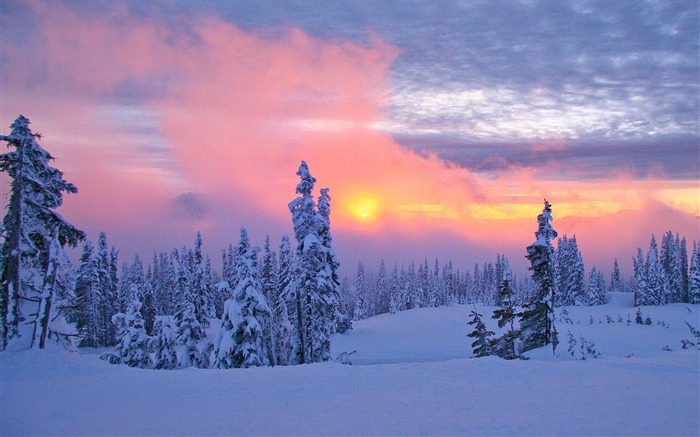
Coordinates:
(275, 307)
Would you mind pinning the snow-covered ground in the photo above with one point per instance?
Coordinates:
(412, 375)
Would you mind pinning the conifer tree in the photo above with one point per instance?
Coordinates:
(616, 283)
(657, 281)
(268, 280)
(87, 318)
(642, 295)
(505, 315)
(596, 288)
(132, 348)
(694, 277)
(383, 293)
(537, 320)
(362, 310)
(395, 291)
(481, 346)
(28, 230)
(241, 339)
(315, 283)
(165, 355)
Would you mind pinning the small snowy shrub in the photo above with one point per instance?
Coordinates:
(344, 358)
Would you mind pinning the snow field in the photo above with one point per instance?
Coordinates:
(424, 384)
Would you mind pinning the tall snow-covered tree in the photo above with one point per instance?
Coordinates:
(362, 305)
(314, 285)
(616, 282)
(537, 320)
(241, 341)
(642, 296)
(694, 277)
(28, 230)
(569, 273)
(657, 281)
(383, 294)
(88, 300)
(268, 279)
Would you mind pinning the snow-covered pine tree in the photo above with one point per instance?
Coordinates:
(481, 346)
(108, 290)
(268, 282)
(684, 269)
(314, 278)
(165, 355)
(537, 320)
(694, 277)
(395, 291)
(287, 300)
(86, 314)
(569, 273)
(657, 281)
(132, 347)
(383, 293)
(362, 310)
(28, 229)
(190, 334)
(505, 315)
(642, 295)
(148, 308)
(596, 288)
(248, 310)
(331, 297)
(616, 282)
(435, 288)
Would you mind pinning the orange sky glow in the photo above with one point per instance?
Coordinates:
(232, 113)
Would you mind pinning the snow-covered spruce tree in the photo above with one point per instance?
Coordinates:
(190, 334)
(241, 341)
(395, 291)
(505, 315)
(334, 318)
(642, 295)
(28, 229)
(694, 278)
(481, 346)
(383, 297)
(596, 288)
(148, 309)
(657, 281)
(86, 315)
(165, 355)
(569, 273)
(106, 270)
(133, 344)
(268, 280)
(616, 282)
(362, 308)
(537, 320)
(285, 310)
(314, 281)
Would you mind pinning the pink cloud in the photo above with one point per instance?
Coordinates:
(237, 111)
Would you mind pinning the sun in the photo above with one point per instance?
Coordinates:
(364, 208)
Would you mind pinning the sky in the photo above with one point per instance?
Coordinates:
(439, 127)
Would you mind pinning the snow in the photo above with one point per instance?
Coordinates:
(412, 375)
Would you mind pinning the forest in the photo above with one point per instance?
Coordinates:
(275, 306)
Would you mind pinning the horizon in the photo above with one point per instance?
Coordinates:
(438, 129)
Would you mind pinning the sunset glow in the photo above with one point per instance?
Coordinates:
(196, 118)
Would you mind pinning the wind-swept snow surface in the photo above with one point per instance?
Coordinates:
(425, 386)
